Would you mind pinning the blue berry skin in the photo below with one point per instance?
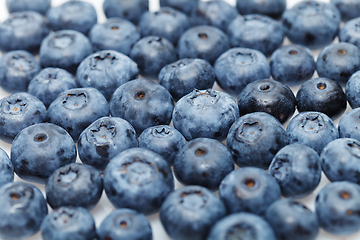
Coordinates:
(23, 208)
(338, 61)
(23, 31)
(64, 49)
(130, 10)
(185, 75)
(340, 160)
(17, 68)
(76, 15)
(250, 190)
(40, 149)
(114, 34)
(104, 139)
(17, 112)
(190, 212)
(75, 109)
(255, 31)
(68, 223)
(143, 103)
(6, 168)
(164, 140)
(313, 129)
(350, 32)
(292, 64)
(255, 138)
(186, 6)
(311, 23)
(205, 113)
(214, 13)
(166, 22)
(106, 71)
(152, 53)
(268, 96)
(204, 162)
(242, 226)
(292, 221)
(272, 8)
(349, 9)
(40, 6)
(123, 224)
(349, 125)
(139, 179)
(321, 95)
(206, 42)
(297, 169)
(352, 90)
(337, 205)
(49, 83)
(75, 185)
(238, 67)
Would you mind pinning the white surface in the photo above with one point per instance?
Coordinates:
(104, 207)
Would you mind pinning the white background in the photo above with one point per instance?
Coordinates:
(104, 207)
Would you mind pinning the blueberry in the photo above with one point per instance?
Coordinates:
(186, 6)
(68, 223)
(311, 23)
(49, 83)
(292, 64)
(206, 42)
(214, 13)
(337, 205)
(75, 185)
(349, 9)
(17, 112)
(23, 31)
(297, 169)
(238, 67)
(152, 53)
(164, 140)
(204, 162)
(166, 22)
(143, 103)
(255, 138)
(75, 109)
(349, 125)
(23, 208)
(76, 15)
(256, 31)
(104, 139)
(272, 8)
(139, 179)
(205, 113)
(321, 95)
(38, 150)
(352, 90)
(123, 224)
(250, 190)
(185, 75)
(6, 168)
(190, 212)
(17, 68)
(313, 129)
(64, 49)
(340, 160)
(114, 34)
(130, 10)
(268, 96)
(350, 32)
(106, 71)
(40, 6)
(242, 226)
(292, 221)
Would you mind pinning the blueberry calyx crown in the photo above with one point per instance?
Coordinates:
(161, 132)
(62, 40)
(102, 133)
(310, 8)
(313, 123)
(75, 100)
(244, 58)
(67, 176)
(18, 19)
(193, 200)
(19, 196)
(354, 148)
(14, 106)
(139, 171)
(21, 63)
(102, 61)
(241, 231)
(250, 131)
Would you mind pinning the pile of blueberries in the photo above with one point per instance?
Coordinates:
(84, 98)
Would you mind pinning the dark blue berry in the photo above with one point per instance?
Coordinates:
(130, 10)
